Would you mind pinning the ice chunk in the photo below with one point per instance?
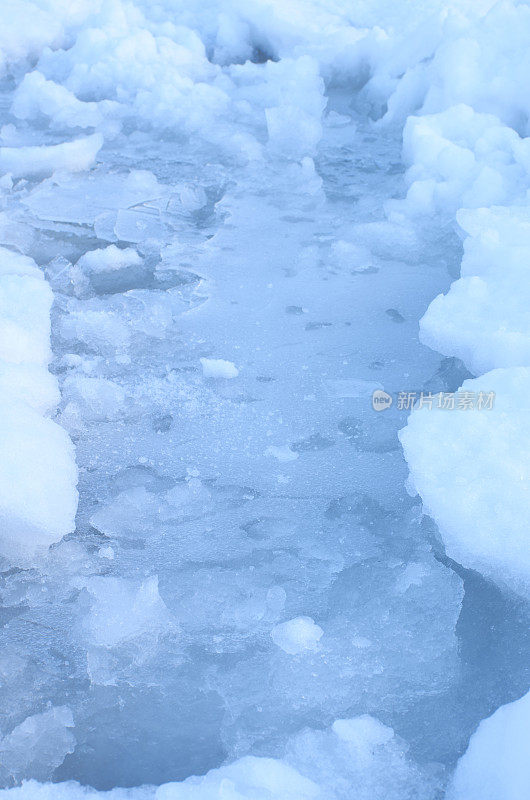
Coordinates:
(471, 466)
(43, 160)
(362, 758)
(460, 158)
(496, 763)
(38, 476)
(113, 270)
(94, 398)
(396, 240)
(122, 611)
(36, 747)
(138, 224)
(99, 330)
(133, 513)
(297, 635)
(347, 255)
(218, 368)
(109, 259)
(82, 199)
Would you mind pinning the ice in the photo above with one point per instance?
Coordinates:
(496, 763)
(94, 398)
(109, 259)
(96, 329)
(297, 635)
(38, 745)
(74, 156)
(220, 225)
(218, 368)
(121, 611)
(70, 198)
(282, 452)
(363, 755)
(292, 132)
(72, 791)
(130, 514)
(359, 754)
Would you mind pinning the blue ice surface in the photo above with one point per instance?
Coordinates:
(214, 509)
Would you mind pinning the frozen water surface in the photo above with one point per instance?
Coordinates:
(250, 593)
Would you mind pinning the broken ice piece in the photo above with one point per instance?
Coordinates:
(218, 368)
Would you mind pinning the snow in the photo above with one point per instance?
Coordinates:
(36, 97)
(38, 499)
(218, 368)
(469, 162)
(481, 319)
(472, 469)
(25, 304)
(108, 259)
(297, 635)
(31, 384)
(497, 761)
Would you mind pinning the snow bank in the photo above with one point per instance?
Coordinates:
(472, 470)
(484, 319)
(234, 74)
(38, 498)
(470, 165)
(497, 761)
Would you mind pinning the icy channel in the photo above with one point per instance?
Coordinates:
(247, 563)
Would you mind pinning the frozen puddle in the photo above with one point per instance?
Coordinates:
(247, 563)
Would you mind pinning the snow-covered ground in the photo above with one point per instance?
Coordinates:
(223, 227)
